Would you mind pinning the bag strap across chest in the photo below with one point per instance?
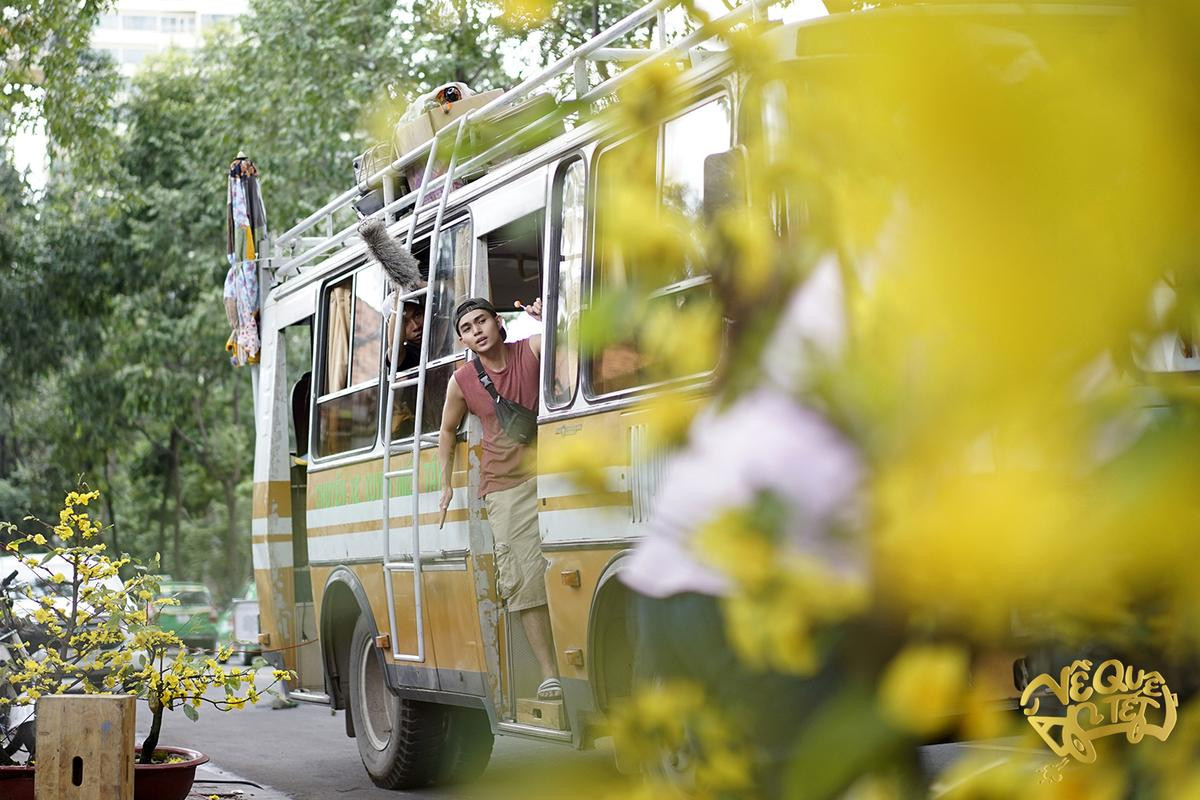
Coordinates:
(485, 379)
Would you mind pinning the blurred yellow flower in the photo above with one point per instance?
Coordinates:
(924, 687)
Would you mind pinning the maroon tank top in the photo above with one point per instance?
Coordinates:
(505, 463)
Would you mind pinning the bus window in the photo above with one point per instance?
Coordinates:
(348, 405)
(569, 208)
(403, 416)
(686, 141)
(337, 337)
(621, 169)
(514, 273)
(368, 325)
(451, 283)
(436, 381)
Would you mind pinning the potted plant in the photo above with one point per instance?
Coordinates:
(80, 627)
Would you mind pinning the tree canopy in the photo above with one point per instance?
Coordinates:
(113, 337)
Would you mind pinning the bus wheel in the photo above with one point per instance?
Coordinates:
(675, 767)
(401, 741)
(468, 745)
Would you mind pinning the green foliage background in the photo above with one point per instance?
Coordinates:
(112, 331)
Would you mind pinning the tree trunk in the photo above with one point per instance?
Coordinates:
(110, 509)
(6, 455)
(233, 549)
(151, 740)
(177, 492)
(237, 402)
(460, 67)
(162, 507)
(233, 526)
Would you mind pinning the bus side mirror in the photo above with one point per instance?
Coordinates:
(724, 182)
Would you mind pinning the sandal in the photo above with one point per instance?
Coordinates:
(549, 689)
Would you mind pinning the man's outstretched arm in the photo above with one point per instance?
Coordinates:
(453, 412)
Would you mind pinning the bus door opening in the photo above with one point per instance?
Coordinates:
(513, 279)
(297, 343)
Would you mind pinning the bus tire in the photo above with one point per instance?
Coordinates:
(401, 741)
(469, 745)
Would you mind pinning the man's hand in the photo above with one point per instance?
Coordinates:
(534, 309)
(453, 411)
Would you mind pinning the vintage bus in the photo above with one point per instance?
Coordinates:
(378, 609)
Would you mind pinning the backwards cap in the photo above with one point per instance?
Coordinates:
(476, 304)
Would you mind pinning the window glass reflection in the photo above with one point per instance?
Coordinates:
(452, 280)
(669, 280)
(349, 422)
(403, 416)
(568, 296)
(337, 337)
(368, 324)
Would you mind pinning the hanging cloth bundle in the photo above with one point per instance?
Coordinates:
(246, 223)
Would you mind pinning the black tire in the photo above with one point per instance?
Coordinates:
(402, 742)
(468, 745)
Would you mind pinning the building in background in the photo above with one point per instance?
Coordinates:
(135, 29)
(130, 32)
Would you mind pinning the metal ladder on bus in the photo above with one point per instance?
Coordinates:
(594, 49)
(394, 384)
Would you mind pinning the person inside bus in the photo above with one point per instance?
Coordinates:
(507, 484)
(412, 321)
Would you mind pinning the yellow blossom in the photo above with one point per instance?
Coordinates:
(924, 686)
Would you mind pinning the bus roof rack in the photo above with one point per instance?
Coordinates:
(298, 247)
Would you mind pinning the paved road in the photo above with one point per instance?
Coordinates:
(304, 753)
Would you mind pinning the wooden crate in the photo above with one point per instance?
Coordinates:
(542, 713)
(85, 747)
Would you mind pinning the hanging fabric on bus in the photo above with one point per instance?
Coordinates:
(246, 225)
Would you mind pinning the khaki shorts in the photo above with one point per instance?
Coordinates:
(520, 566)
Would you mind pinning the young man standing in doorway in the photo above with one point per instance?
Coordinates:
(507, 483)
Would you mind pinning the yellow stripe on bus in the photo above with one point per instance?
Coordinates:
(571, 502)
(268, 493)
(429, 518)
(568, 502)
(263, 538)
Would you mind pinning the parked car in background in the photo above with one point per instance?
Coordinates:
(238, 625)
(194, 620)
(41, 587)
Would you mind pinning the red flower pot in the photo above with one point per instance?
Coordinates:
(16, 783)
(150, 781)
(167, 781)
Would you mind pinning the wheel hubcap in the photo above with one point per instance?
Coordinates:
(375, 700)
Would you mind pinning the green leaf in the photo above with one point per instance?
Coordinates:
(189, 711)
